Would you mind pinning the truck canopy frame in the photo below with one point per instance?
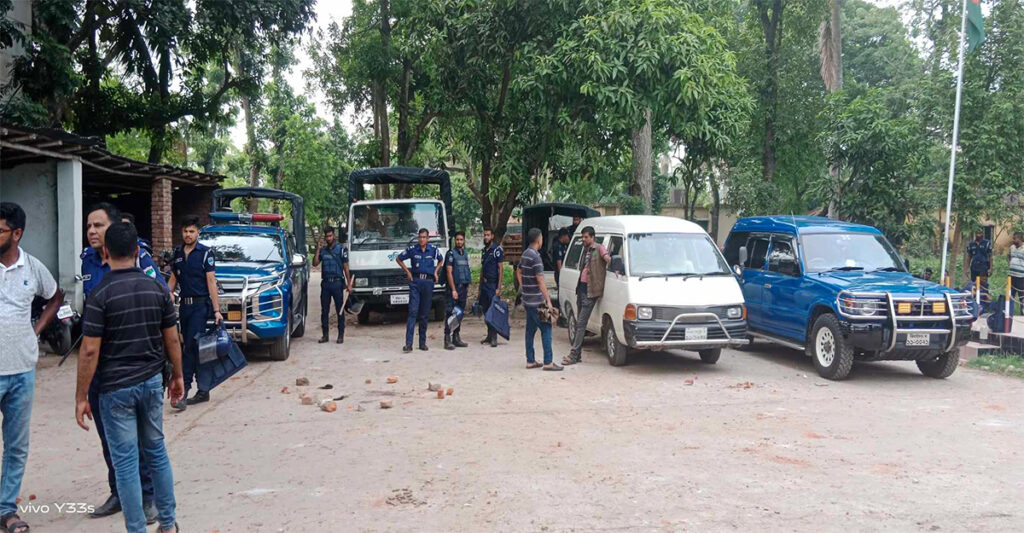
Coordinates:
(222, 199)
(403, 175)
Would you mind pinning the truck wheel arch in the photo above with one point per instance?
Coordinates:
(817, 310)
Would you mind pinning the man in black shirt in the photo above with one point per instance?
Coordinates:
(129, 322)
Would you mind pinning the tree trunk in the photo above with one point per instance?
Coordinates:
(771, 24)
(716, 207)
(830, 44)
(255, 165)
(643, 162)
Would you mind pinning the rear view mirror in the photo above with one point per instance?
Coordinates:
(617, 265)
(298, 260)
(738, 270)
(743, 256)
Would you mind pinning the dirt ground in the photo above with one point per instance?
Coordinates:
(757, 441)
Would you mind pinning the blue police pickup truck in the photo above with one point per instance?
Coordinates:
(262, 272)
(840, 292)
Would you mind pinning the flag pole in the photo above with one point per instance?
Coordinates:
(956, 137)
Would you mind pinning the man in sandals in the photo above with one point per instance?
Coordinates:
(128, 325)
(535, 294)
(22, 278)
(588, 290)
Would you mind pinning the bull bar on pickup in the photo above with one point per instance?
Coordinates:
(882, 307)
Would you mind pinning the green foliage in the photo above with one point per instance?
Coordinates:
(879, 154)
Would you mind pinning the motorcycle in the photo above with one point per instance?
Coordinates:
(59, 334)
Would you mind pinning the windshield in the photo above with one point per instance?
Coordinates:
(244, 247)
(652, 254)
(395, 225)
(849, 251)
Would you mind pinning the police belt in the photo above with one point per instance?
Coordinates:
(193, 300)
(423, 276)
(489, 281)
(332, 279)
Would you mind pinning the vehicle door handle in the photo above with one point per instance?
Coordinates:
(767, 285)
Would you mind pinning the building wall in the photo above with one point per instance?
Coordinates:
(21, 11)
(34, 188)
(51, 195)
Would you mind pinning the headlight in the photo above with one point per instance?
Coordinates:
(644, 313)
(734, 312)
(854, 306)
(362, 282)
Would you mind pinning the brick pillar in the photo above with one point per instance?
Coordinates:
(161, 212)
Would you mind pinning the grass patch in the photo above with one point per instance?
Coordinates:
(1007, 365)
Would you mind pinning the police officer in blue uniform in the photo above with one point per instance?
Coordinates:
(426, 263)
(334, 281)
(98, 218)
(456, 265)
(192, 268)
(491, 278)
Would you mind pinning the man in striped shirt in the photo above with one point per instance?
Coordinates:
(129, 323)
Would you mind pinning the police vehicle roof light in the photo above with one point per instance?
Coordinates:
(246, 218)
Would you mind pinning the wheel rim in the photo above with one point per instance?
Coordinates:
(825, 347)
(610, 343)
(572, 327)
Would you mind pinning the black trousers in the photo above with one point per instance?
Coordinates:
(332, 290)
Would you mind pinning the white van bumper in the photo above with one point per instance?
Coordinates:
(687, 330)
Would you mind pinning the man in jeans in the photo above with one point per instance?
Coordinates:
(588, 290)
(22, 278)
(129, 322)
(535, 294)
(980, 252)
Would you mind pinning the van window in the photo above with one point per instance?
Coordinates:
(674, 254)
(732, 246)
(614, 245)
(572, 257)
(757, 248)
(782, 258)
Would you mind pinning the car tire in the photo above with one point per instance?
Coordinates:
(942, 366)
(364, 315)
(281, 349)
(831, 353)
(710, 356)
(570, 318)
(300, 329)
(618, 353)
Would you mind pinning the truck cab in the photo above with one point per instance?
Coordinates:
(840, 292)
(262, 272)
(379, 230)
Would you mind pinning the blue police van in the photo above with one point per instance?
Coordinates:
(262, 271)
(840, 292)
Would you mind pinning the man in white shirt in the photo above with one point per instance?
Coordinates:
(22, 278)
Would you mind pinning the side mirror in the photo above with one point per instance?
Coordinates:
(737, 269)
(743, 256)
(298, 260)
(617, 266)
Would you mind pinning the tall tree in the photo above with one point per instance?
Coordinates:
(161, 51)
(678, 78)
(830, 46)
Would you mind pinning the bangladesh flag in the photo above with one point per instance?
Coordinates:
(975, 25)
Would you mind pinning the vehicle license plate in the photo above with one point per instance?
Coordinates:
(234, 315)
(918, 339)
(696, 334)
(399, 299)
(64, 311)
